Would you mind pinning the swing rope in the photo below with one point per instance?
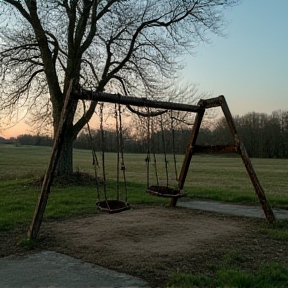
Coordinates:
(121, 143)
(95, 161)
(103, 153)
(173, 145)
(118, 154)
(147, 159)
(164, 150)
(154, 153)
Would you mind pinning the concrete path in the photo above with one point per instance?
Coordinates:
(232, 209)
(54, 270)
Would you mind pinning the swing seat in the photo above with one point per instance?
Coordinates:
(112, 206)
(164, 191)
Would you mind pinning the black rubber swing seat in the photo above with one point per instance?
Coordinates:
(112, 206)
(164, 191)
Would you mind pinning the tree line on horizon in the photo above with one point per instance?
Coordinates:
(264, 136)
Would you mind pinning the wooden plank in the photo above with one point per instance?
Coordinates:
(211, 102)
(216, 149)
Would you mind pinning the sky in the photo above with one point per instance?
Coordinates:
(249, 66)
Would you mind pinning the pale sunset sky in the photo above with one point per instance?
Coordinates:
(249, 66)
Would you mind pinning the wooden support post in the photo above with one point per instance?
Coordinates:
(246, 160)
(34, 227)
(189, 153)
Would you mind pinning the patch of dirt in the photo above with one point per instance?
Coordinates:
(153, 242)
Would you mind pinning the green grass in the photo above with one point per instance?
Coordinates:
(277, 231)
(269, 275)
(231, 272)
(212, 177)
(22, 162)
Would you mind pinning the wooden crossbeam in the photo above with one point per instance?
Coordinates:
(134, 101)
(215, 149)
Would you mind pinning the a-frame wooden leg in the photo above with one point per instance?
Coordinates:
(246, 160)
(189, 153)
(48, 178)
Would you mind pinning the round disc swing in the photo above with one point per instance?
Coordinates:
(113, 205)
(161, 190)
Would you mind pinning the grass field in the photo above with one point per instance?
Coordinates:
(212, 177)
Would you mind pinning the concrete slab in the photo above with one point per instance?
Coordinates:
(232, 209)
(53, 270)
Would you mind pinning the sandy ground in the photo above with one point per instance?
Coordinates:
(153, 242)
(142, 233)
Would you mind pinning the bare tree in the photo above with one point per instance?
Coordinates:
(113, 45)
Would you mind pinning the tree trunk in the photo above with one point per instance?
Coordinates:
(65, 161)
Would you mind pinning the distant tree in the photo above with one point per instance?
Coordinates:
(37, 140)
(2, 140)
(282, 118)
(221, 133)
(264, 135)
(113, 45)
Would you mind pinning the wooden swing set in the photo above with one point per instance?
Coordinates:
(163, 191)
